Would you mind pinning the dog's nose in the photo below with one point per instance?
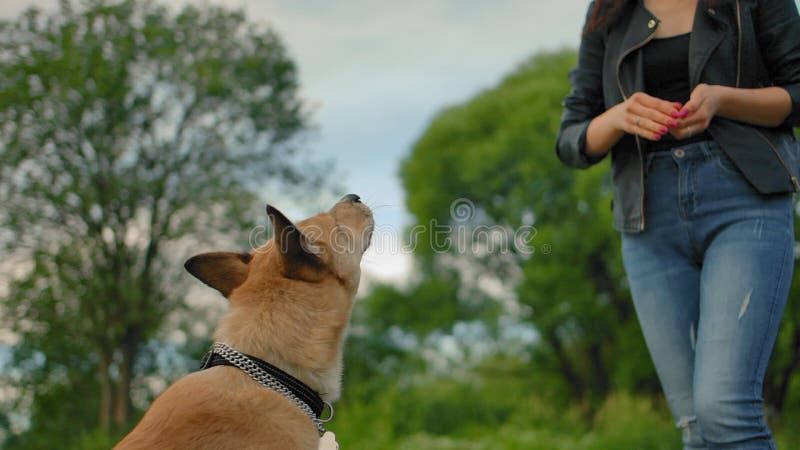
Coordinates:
(352, 198)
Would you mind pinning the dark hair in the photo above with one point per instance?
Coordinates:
(605, 13)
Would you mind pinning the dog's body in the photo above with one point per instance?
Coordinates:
(290, 306)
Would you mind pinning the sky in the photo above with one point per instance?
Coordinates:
(375, 72)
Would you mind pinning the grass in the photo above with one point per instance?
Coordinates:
(623, 422)
(453, 415)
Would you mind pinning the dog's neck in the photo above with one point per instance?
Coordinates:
(310, 354)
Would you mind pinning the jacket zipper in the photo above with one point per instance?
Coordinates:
(795, 182)
(739, 48)
(625, 98)
(628, 52)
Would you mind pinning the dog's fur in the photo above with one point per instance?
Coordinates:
(290, 303)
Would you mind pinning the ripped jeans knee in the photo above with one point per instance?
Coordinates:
(690, 432)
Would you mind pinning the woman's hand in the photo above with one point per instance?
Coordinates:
(641, 114)
(696, 115)
(647, 116)
(651, 117)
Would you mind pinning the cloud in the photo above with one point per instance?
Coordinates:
(409, 44)
(378, 71)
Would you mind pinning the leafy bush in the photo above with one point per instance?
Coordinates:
(444, 414)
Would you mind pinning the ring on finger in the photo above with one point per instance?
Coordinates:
(636, 122)
(689, 130)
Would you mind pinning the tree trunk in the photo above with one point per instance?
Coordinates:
(122, 404)
(601, 379)
(566, 367)
(104, 417)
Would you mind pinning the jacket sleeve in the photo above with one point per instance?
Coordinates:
(583, 103)
(778, 32)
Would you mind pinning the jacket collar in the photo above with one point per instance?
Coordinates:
(708, 30)
(640, 28)
(641, 25)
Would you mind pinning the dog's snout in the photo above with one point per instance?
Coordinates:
(351, 198)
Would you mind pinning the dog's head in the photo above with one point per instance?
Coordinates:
(322, 251)
(291, 298)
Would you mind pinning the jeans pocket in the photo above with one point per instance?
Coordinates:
(656, 160)
(726, 165)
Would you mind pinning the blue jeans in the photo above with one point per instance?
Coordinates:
(710, 276)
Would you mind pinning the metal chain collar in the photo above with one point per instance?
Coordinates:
(268, 381)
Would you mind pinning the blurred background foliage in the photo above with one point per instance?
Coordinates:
(128, 133)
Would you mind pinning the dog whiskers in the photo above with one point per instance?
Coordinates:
(381, 206)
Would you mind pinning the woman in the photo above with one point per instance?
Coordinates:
(695, 101)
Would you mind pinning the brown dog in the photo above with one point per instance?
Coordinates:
(290, 306)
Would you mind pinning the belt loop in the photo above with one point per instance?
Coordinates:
(648, 161)
(708, 149)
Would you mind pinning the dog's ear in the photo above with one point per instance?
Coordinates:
(223, 271)
(298, 255)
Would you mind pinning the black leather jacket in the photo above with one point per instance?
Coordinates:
(742, 43)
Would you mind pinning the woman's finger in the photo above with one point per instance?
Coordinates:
(697, 121)
(647, 128)
(654, 115)
(687, 129)
(688, 109)
(666, 108)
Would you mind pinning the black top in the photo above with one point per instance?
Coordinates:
(666, 76)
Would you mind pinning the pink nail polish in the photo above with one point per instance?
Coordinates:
(674, 114)
(656, 137)
(672, 123)
(684, 113)
(663, 130)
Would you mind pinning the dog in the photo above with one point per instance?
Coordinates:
(290, 303)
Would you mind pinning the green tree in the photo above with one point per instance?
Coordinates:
(496, 150)
(125, 129)
(782, 383)
(433, 304)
